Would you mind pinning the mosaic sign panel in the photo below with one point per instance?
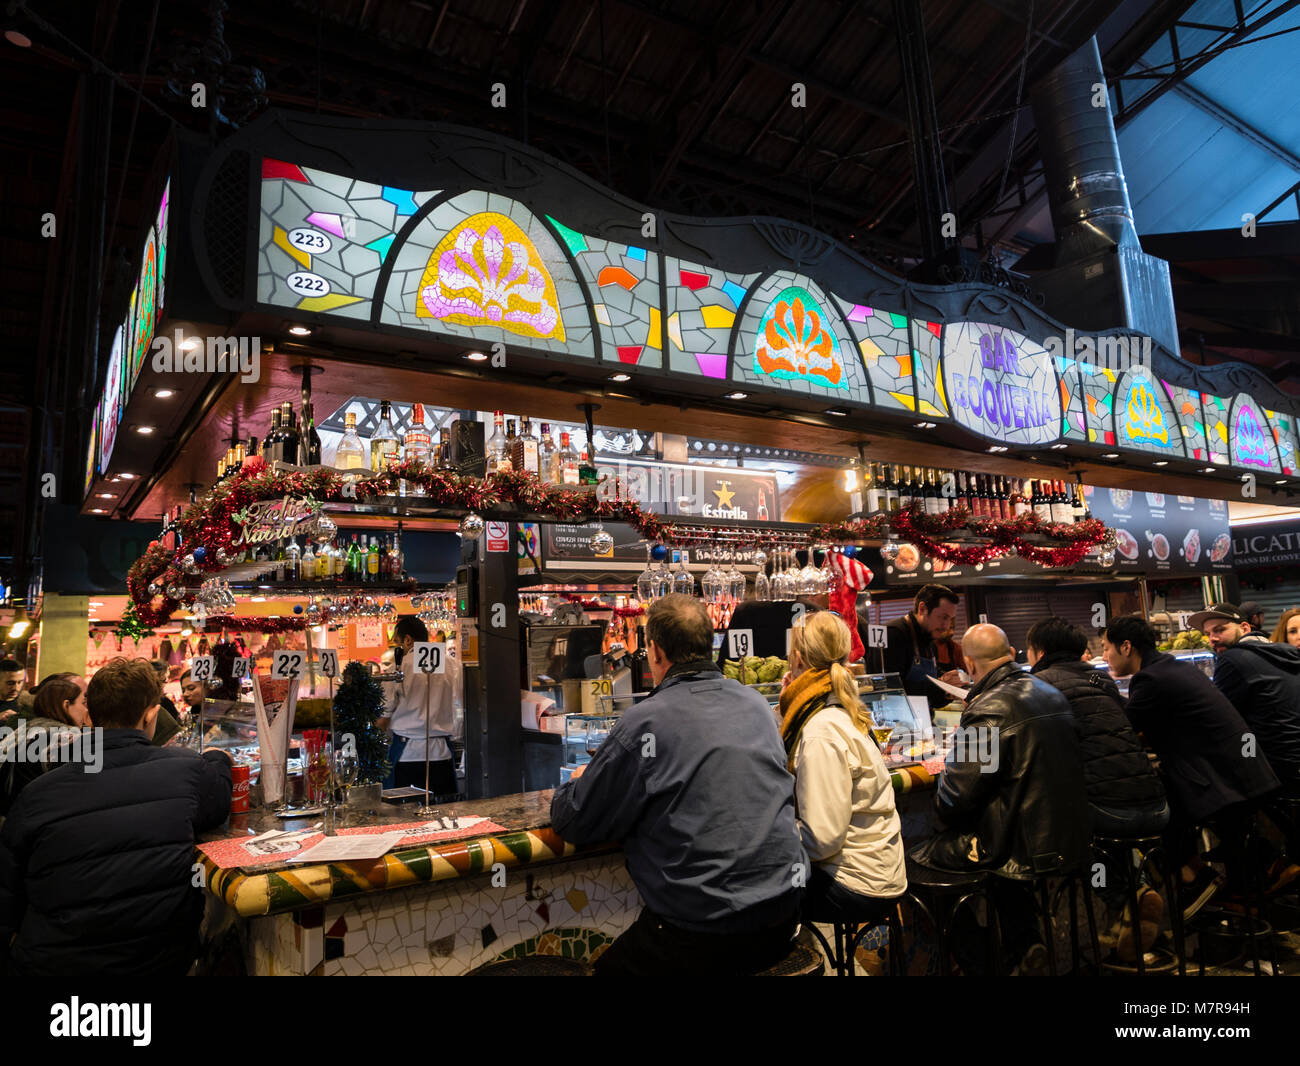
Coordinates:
(624, 282)
(792, 336)
(1001, 384)
(1216, 426)
(1250, 437)
(882, 345)
(485, 268)
(1283, 427)
(1073, 423)
(323, 237)
(1098, 394)
(1144, 418)
(702, 307)
(931, 398)
(1185, 404)
(110, 403)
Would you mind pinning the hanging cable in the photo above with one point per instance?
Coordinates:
(1020, 89)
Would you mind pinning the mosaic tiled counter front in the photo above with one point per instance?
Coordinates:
(438, 908)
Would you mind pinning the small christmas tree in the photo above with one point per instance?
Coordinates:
(358, 702)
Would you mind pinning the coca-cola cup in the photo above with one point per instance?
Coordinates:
(239, 778)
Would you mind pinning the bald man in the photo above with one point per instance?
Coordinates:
(1011, 797)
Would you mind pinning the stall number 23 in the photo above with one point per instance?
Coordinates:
(430, 658)
(203, 667)
(288, 665)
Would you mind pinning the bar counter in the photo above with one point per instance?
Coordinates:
(458, 909)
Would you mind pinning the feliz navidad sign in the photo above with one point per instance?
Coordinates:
(275, 520)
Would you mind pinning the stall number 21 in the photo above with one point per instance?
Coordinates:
(430, 658)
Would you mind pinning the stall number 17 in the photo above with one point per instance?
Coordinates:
(430, 658)
(877, 636)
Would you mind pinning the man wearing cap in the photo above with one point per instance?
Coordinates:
(1253, 613)
(1262, 680)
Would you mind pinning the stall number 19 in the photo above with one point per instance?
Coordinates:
(287, 665)
(740, 642)
(430, 658)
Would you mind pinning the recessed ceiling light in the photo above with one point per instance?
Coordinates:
(97, 603)
(1161, 462)
(925, 425)
(837, 412)
(1282, 482)
(1207, 470)
(256, 599)
(300, 331)
(190, 343)
(620, 377)
(476, 357)
(127, 477)
(1058, 447)
(97, 510)
(736, 396)
(20, 39)
(145, 430)
(1111, 455)
(164, 394)
(105, 496)
(998, 448)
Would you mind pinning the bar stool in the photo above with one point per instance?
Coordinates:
(1150, 849)
(939, 894)
(849, 935)
(1252, 921)
(1045, 900)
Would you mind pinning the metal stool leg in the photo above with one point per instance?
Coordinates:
(1132, 881)
(1093, 940)
(1049, 937)
(1074, 928)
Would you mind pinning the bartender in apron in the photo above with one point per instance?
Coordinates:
(921, 645)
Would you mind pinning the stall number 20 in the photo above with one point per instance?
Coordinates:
(430, 658)
(288, 665)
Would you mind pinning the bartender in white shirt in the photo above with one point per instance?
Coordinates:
(408, 701)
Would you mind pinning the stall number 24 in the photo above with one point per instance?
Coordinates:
(430, 658)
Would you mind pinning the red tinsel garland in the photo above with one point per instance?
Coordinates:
(210, 524)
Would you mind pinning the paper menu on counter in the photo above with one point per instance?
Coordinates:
(952, 690)
(349, 848)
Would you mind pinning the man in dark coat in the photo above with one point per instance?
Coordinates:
(1012, 793)
(1214, 771)
(96, 857)
(1125, 796)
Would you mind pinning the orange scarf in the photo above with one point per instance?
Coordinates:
(802, 698)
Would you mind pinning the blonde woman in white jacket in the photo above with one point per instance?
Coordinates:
(845, 799)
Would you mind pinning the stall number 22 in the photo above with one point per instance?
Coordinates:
(430, 658)
(288, 665)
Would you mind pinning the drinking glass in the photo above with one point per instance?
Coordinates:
(346, 767)
(807, 577)
(736, 580)
(646, 580)
(762, 586)
(683, 580)
(663, 579)
(781, 578)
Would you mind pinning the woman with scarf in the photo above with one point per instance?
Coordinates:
(845, 798)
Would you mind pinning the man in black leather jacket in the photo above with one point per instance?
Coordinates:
(1011, 795)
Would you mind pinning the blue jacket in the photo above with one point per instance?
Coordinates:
(693, 782)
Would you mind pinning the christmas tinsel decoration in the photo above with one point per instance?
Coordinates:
(357, 703)
(212, 524)
(131, 626)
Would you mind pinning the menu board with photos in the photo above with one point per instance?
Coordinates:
(1161, 533)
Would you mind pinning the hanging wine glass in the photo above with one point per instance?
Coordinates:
(780, 576)
(736, 579)
(646, 581)
(663, 578)
(684, 580)
(762, 586)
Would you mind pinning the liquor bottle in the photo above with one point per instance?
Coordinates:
(1061, 511)
(932, 503)
(416, 448)
(762, 505)
(355, 568)
(308, 562)
(905, 490)
(383, 443)
(587, 474)
(917, 487)
(289, 432)
(278, 573)
(498, 458)
(568, 461)
(525, 454)
(272, 440)
(888, 490)
(293, 562)
(1022, 502)
(237, 460)
(351, 452)
(396, 561)
(1005, 509)
(309, 439)
(372, 560)
(251, 451)
(1078, 509)
(1042, 503)
(548, 457)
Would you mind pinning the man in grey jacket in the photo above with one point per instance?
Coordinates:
(693, 783)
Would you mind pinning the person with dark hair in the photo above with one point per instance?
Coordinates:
(192, 693)
(59, 715)
(1125, 796)
(920, 645)
(420, 705)
(96, 867)
(168, 720)
(1213, 772)
(14, 702)
(693, 782)
(1252, 613)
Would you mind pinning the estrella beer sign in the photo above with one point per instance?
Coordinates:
(1144, 415)
(275, 520)
(1000, 384)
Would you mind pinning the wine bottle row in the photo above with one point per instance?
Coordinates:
(895, 488)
